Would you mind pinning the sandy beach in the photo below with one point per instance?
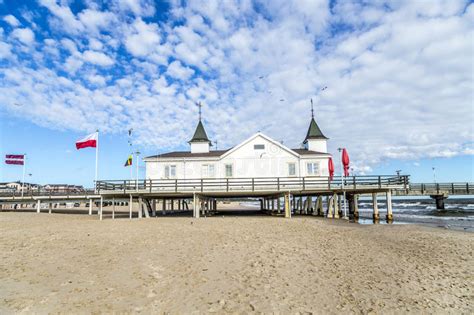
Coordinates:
(76, 264)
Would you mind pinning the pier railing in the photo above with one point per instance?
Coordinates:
(252, 184)
(45, 192)
(465, 188)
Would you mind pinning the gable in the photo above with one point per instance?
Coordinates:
(259, 145)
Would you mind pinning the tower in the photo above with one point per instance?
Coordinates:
(315, 140)
(200, 143)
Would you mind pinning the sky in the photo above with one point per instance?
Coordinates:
(399, 78)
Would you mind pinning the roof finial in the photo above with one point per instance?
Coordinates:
(312, 110)
(199, 105)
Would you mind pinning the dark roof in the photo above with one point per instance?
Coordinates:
(183, 154)
(304, 151)
(200, 134)
(314, 132)
(215, 153)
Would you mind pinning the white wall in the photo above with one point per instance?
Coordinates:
(200, 147)
(247, 162)
(318, 145)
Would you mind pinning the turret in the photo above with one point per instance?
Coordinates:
(315, 140)
(200, 143)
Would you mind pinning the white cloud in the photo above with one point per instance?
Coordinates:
(137, 7)
(97, 58)
(10, 19)
(5, 50)
(177, 71)
(24, 35)
(142, 39)
(399, 75)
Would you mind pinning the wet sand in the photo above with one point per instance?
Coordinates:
(76, 264)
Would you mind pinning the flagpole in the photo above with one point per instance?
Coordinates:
(23, 177)
(136, 155)
(96, 160)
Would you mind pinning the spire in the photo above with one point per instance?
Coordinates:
(313, 131)
(200, 134)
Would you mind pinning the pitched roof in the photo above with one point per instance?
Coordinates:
(200, 134)
(306, 152)
(314, 132)
(184, 154)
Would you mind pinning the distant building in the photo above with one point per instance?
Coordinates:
(258, 156)
(63, 187)
(17, 186)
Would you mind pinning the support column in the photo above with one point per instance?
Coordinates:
(38, 206)
(90, 206)
(300, 204)
(215, 205)
(376, 216)
(336, 206)
(130, 205)
(273, 204)
(279, 205)
(113, 208)
(356, 207)
(287, 205)
(330, 205)
(153, 207)
(261, 204)
(163, 209)
(388, 198)
(318, 206)
(179, 204)
(172, 204)
(101, 207)
(439, 201)
(50, 207)
(140, 209)
(196, 202)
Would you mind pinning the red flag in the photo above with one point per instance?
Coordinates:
(345, 162)
(88, 142)
(15, 159)
(331, 169)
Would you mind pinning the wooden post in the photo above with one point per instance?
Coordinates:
(172, 204)
(336, 206)
(101, 207)
(50, 207)
(388, 197)
(113, 208)
(318, 206)
(179, 204)
(140, 210)
(163, 206)
(38, 206)
(287, 205)
(330, 205)
(130, 205)
(356, 207)
(196, 202)
(376, 216)
(90, 206)
(300, 204)
(153, 207)
(273, 204)
(279, 204)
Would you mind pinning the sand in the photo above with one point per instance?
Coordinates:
(71, 263)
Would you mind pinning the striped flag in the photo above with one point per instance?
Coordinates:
(16, 159)
(88, 142)
(129, 161)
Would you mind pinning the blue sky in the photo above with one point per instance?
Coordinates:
(399, 77)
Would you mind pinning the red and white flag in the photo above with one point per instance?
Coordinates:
(88, 142)
(16, 159)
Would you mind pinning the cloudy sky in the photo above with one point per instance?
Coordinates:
(399, 79)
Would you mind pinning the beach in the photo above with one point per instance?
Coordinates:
(69, 263)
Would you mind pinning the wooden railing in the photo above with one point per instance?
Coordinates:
(440, 188)
(252, 184)
(45, 192)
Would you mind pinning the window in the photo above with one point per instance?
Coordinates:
(170, 171)
(312, 168)
(259, 147)
(291, 169)
(207, 170)
(229, 171)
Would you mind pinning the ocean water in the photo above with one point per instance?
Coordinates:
(458, 213)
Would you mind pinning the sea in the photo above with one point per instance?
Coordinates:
(457, 215)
